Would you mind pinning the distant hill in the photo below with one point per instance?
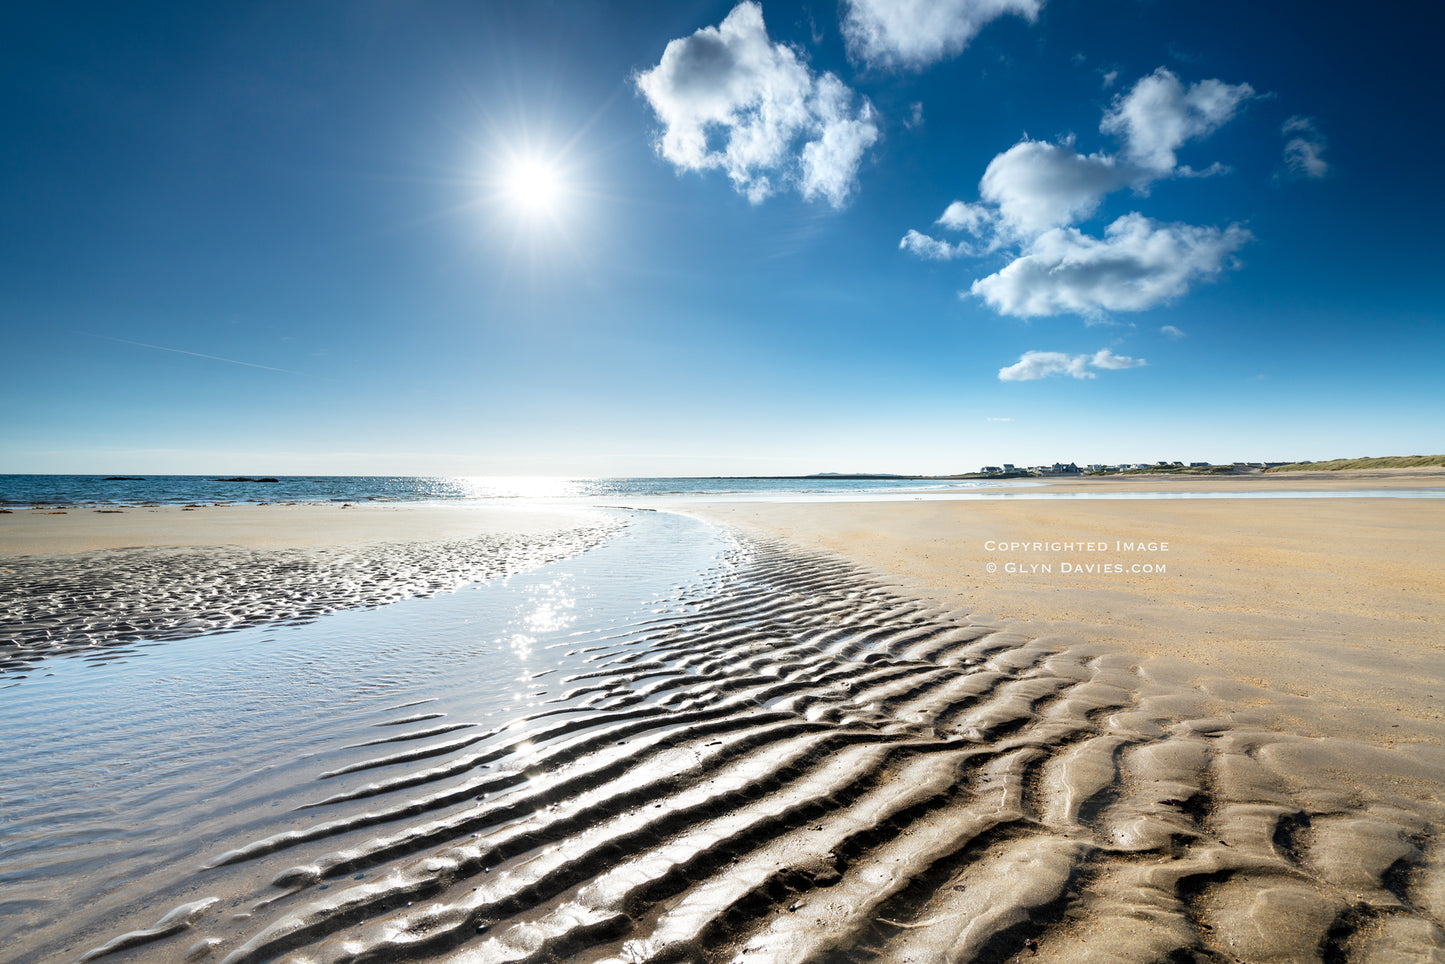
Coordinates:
(1388, 462)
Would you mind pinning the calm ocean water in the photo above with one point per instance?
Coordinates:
(71, 489)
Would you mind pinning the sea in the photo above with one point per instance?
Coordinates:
(61, 490)
(181, 489)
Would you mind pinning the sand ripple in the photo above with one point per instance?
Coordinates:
(804, 767)
(52, 604)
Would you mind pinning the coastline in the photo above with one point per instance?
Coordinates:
(1331, 597)
(834, 739)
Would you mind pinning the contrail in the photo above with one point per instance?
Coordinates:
(197, 354)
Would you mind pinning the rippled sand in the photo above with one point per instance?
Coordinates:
(797, 764)
(53, 602)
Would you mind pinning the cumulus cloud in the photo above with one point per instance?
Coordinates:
(1033, 194)
(1159, 114)
(830, 163)
(1036, 185)
(1033, 365)
(961, 216)
(1138, 264)
(1304, 152)
(915, 33)
(730, 99)
(1172, 332)
(931, 248)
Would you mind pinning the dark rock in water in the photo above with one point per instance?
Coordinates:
(123, 478)
(244, 478)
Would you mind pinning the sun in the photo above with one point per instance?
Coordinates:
(533, 186)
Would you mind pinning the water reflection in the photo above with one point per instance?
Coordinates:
(124, 771)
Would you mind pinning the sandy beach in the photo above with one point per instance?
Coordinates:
(843, 739)
(1337, 598)
(52, 530)
(77, 577)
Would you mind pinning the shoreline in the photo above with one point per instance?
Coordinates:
(817, 743)
(1249, 588)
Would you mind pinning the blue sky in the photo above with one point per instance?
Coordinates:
(714, 238)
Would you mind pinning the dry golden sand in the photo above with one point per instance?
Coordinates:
(1338, 598)
(44, 531)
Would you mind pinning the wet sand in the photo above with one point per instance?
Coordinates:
(85, 578)
(853, 747)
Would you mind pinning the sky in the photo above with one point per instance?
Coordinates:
(695, 238)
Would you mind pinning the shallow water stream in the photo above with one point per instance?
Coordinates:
(127, 768)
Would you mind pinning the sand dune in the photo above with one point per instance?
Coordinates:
(800, 765)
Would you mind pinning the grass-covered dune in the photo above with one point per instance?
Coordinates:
(1387, 462)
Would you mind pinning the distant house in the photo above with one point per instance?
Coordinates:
(1199, 465)
(1009, 467)
(992, 470)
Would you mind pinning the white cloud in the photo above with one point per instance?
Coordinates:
(915, 33)
(1108, 361)
(730, 99)
(1138, 264)
(1304, 153)
(973, 218)
(1036, 185)
(1159, 114)
(915, 115)
(1171, 331)
(932, 249)
(1034, 192)
(830, 163)
(1033, 365)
